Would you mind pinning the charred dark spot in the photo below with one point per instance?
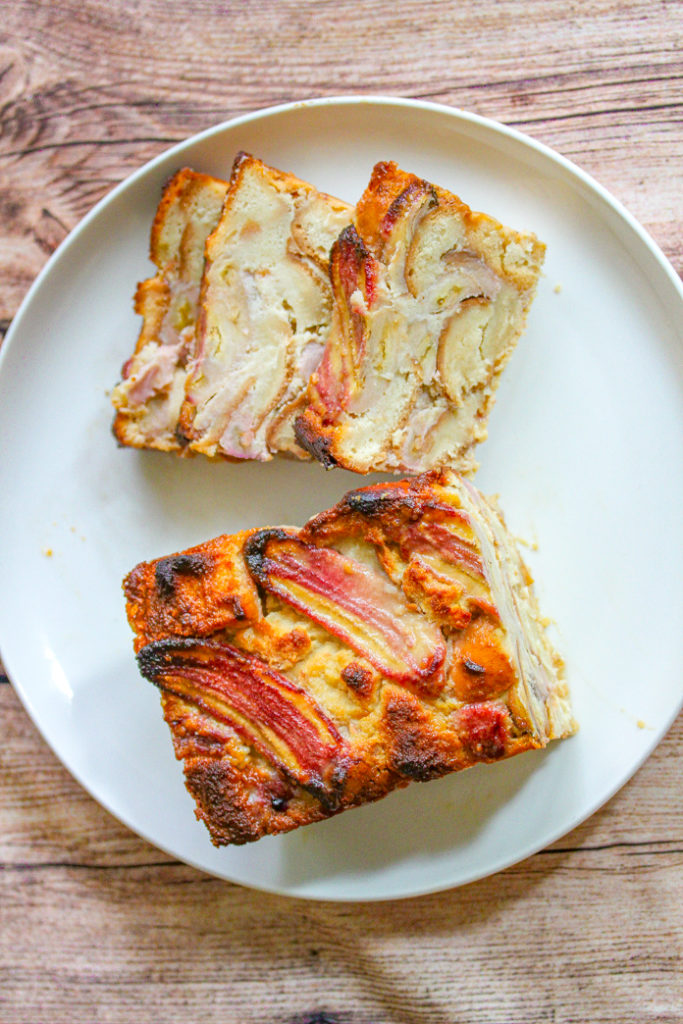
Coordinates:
(279, 794)
(352, 267)
(336, 778)
(240, 159)
(237, 608)
(314, 443)
(375, 502)
(351, 244)
(158, 657)
(181, 437)
(358, 678)
(177, 565)
(222, 802)
(416, 764)
(255, 551)
(473, 667)
(317, 789)
(329, 787)
(413, 752)
(367, 503)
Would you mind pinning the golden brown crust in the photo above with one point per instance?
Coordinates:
(149, 395)
(304, 672)
(389, 189)
(151, 301)
(194, 593)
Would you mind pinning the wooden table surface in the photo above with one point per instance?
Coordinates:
(95, 924)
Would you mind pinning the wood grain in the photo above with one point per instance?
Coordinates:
(96, 925)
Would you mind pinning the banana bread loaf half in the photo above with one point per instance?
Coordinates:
(394, 638)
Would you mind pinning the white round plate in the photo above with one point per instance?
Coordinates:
(585, 450)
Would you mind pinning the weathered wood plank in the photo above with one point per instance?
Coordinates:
(528, 943)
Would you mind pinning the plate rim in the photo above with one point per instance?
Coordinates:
(379, 100)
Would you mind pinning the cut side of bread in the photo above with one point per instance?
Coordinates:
(430, 299)
(394, 638)
(265, 313)
(149, 397)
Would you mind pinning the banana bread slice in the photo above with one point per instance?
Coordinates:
(430, 299)
(152, 389)
(265, 312)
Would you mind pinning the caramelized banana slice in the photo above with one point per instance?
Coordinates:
(230, 686)
(352, 602)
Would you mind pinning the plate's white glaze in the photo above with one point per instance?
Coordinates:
(585, 450)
